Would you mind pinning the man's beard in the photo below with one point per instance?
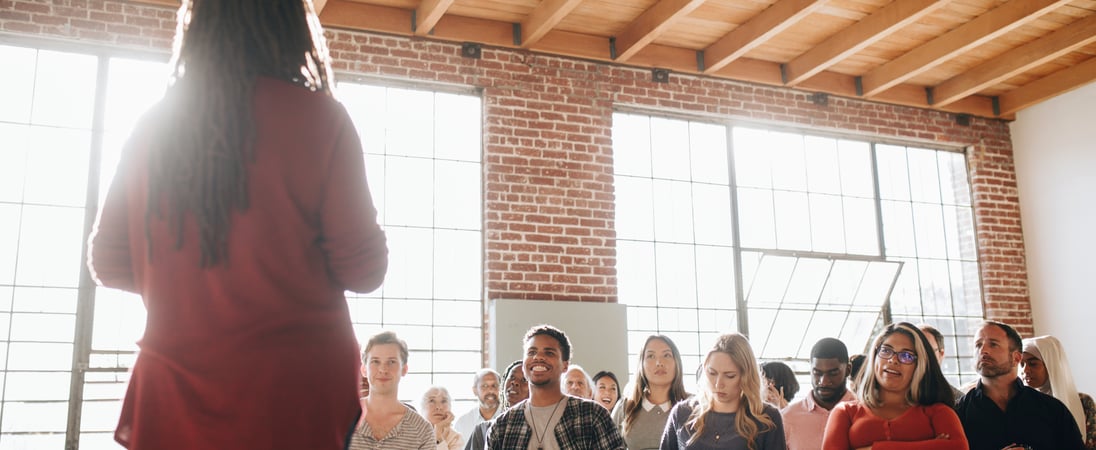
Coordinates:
(990, 369)
(838, 392)
(490, 401)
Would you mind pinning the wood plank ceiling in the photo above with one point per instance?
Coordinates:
(989, 58)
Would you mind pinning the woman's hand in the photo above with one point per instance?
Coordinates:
(775, 396)
(443, 427)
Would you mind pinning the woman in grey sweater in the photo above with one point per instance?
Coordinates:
(658, 385)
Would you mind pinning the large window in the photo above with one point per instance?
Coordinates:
(423, 156)
(788, 237)
(63, 120)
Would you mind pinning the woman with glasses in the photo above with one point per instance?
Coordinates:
(728, 412)
(903, 397)
(659, 384)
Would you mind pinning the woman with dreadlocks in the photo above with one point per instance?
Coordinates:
(240, 212)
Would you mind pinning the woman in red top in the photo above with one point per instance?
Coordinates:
(240, 212)
(904, 400)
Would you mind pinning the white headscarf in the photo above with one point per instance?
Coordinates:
(1059, 376)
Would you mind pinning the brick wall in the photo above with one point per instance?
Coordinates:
(548, 161)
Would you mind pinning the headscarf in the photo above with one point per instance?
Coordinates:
(1059, 377)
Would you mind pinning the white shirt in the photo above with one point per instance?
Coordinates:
(466, 423)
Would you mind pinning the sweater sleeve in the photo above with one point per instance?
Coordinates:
(1089, 407)
(355, 245)
(837, 428)
(944, 421)
(775, 439)
(669, 434)
(109, 257)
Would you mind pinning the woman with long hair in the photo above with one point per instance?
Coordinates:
(903, 397)
(1045, 367)
(642, 413)
(436, 408)
(606, 389)
(728, 412)
(241, 214)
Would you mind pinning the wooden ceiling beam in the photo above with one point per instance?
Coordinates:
(756, 31)
(428, 14)
(544, 18)
(318, 5)
(362, 16)
(847, 42)
(1016, 61)
(1057, 83)
(651, 24)
(982, 29)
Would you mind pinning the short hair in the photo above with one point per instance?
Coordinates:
(426, 395)
(1015, 344)
(830, 348)
(612, 376)
(856, 365)
(578, 368)
(782, 377)
(484, 372)
(554, 333)
(936, 334)
(382, 338)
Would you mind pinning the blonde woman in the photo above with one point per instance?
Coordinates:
(1045, 367)
(436, 408)
(904, 400)
(728, 413)
(642, 414)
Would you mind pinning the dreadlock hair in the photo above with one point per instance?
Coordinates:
(205, 136)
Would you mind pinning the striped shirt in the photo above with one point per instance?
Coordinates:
(411, 433)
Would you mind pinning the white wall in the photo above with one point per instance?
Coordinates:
(1055, 153)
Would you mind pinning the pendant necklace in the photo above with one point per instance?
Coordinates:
(533, 423)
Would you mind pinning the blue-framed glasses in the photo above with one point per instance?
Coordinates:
(904, 357)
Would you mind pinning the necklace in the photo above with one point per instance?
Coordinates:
(533, 424)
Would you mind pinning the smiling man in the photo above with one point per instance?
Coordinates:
(805, 419)
(549, 419)
(387, 423)
(485, 386)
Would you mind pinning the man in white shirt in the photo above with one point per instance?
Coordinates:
(486, 388)
(805, 419)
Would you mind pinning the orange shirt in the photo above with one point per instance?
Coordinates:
(852, 425)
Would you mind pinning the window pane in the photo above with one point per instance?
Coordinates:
(676, 277)
(43, 327)
(13, 160)
(636, 272)
(458, 131)
(119, 320)
(808, 279)
(924, 179)
(708, 143)
(10, 218)
(752, 166)
(823, 324)
(712, 214)
(790, 169)
(39, 356)
(410, 182)
(894, 183)
(856, 173)
(50, 241)
(792, 220)
(457, 264)
(954, 187)
(15, 82)
(715, 277)
(771, 281)
(133, 86)
(634, 208)
(824, 174)
(407, 276)
(844, 280)
(898, 229)
(756, 218)
(409, 130)
(631, 145)
(673, 211)
(929, 227)
(785, 340)
(64, 89)
(669, 149)
(827, 224)
(57, 167)
(457, 195)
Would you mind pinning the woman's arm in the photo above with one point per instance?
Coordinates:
(945, 426)
(669, 433)
(109, 257)
(837, 429)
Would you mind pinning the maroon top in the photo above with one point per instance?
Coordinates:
(260, 352)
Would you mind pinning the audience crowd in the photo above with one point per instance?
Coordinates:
(895, 398)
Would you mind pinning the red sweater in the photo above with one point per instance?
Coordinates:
(852, 425)
(258, 353)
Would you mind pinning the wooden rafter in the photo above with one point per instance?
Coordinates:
(1049, 86)
(428, 14)
(1015, 61)
(318, 5)
(758, 30)
(862, 34)
(649, 25)
(544, 18)
(982, 29)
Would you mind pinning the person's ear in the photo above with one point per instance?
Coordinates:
(404, 371)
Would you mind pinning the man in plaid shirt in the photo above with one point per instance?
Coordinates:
(549, 420)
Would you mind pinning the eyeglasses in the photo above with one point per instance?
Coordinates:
(904, 357)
